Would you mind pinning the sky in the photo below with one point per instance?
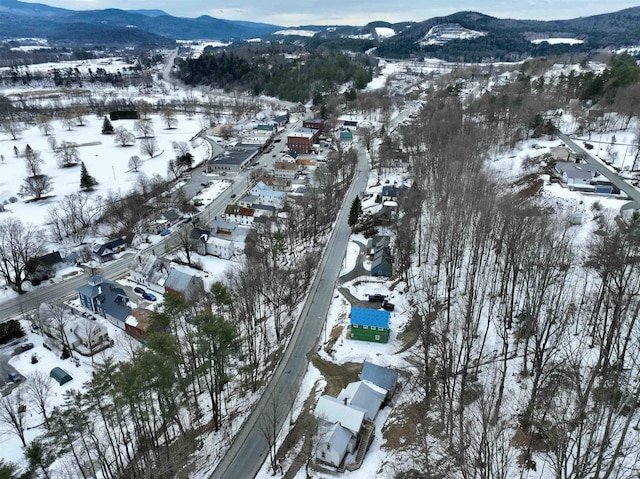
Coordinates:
(355, 12)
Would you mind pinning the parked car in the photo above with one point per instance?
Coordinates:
(139, 290)
(386, 305)
(233, 195)
(23, 347)
(149, 297)
(14, 377)
(277, 140)
(165, 232)
(377, 298)
(187, 219)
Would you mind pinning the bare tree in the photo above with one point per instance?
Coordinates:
(145, 108)
(18, 244)
(53, 143)
(269, 424)
(11, 126)
(135, 162)
(180, 147)
(36, 187)
(38, 391)
(67, 154)
(68, 120)
(124, 137)
(33, 161)
(45, 124)
(149, 146)
(170, 118)
(12, 413)
(144, 128)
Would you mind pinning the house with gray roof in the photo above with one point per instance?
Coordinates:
(106, 299)
(190, 287)
(150, 271)
(382, 377)
(234, 159)
(335, 441)
(247, 200)
(366, 396)
(267, 196)
(333, 410)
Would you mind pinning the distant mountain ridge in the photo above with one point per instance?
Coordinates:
(462, 36)
(113, 26)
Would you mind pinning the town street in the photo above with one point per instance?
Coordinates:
(250, 448)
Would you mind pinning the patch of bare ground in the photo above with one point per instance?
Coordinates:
(400, 428)
(336, 375)
(336, 332)
(528, 186)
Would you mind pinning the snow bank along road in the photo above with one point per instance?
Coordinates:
(250, 447)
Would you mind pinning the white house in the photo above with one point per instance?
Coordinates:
(239, 215)
(150, 271)
(220, 247)
(267, 196)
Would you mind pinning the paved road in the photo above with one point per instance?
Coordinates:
(250, 448)
(631, 192)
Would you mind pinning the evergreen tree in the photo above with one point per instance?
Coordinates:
(355, 211)
(107, 127)
(86, 180)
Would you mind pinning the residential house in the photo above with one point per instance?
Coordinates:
(166, 220)
(105, 298)
(219, 247)
(263, 210)
(365, 396)
(137, 323)
(86, 336)
(339, 428)
(285, 169)
(334, 443)
(584, 177)
(334, 410)
(239, 215)
(277, 184)
(149, 271)
(222, 229)
(266, 196)
(262, 224)
(199, 237)
(107, 251)
(43, 267)
(247, 200)
(382, 263)
(188, 286)
(370, 324)
(382, 377)
(204, 243)
(377, 242)
(392, 192)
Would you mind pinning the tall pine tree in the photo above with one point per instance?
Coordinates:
(107, 127)
(87, 182)
(355, 211)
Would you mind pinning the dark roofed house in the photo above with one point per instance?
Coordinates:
(43, 267)
(107, 251)
(392, 192)
(105, 298)
(382, 264)
(199, 239)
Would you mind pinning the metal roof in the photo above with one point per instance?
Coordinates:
(333, 410)
(377, 318)
(380, 376)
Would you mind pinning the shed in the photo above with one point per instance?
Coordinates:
(60, 375)
(370, 324)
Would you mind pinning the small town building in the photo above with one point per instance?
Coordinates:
(106, 251)
(370, 324)
(106, 299)
(239, 215)
(189, 287)
(382, 377)
(303, 139)
(43, 267)
(267, 196)
(234, 159)
(149, 271)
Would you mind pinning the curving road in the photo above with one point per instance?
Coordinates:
(250, 447)
(630, 191)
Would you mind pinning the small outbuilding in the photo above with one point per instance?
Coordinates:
(60, 375)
